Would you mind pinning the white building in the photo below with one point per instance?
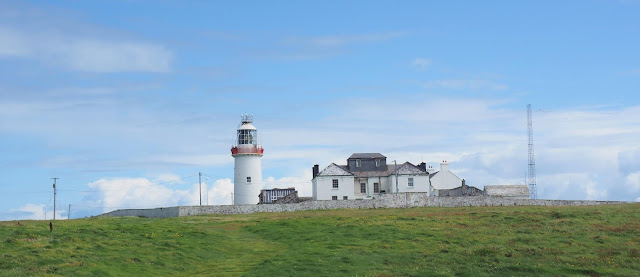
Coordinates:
(247, 173)
(443, 179)
(367, 175)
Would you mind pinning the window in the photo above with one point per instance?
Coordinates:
(335, 183)
(410, 182)
(377, 162)
(334, 197)
(345, 198)
(248, 179)
(358, 163)
(376, 188)
(274, 197)
(363, 187)
(247, 137)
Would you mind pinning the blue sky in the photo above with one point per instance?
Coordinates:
(126, 101)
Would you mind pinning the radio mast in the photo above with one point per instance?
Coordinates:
(533, 194)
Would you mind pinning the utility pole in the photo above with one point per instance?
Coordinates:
(69, 212)
(396, 163)
(54, 197)
(206, 187)
(200, 186)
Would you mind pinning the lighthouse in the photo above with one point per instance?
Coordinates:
(247, 154)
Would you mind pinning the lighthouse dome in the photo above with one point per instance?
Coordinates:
(247, 133)
(247, 126)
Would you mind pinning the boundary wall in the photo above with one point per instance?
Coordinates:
(402, 200)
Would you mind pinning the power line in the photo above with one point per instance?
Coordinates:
(135, 207)
(25, 192)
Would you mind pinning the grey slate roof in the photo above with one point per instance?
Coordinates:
(342, 170)
(507, 190)
(409, 168)
(366, 156)
(363, 174)
(459, 191)
(335, 170)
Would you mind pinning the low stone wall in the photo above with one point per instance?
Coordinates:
(153, 213)
(403, 200)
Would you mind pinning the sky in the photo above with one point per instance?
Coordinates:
(127, 101)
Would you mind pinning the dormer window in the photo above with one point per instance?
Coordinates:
(377, 162)
(358, 163)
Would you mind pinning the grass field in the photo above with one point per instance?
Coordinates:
(470, 241)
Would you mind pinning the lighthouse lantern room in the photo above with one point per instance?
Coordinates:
(247, 154)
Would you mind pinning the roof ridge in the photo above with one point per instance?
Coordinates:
(341, 171)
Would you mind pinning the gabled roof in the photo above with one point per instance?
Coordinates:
(334, 170)
(408, 168)
(366, 156)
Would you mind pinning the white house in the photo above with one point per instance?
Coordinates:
(366, 175)
(443, 179)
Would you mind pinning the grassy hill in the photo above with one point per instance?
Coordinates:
(473, 241)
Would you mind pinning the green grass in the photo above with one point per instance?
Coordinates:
(469, 241)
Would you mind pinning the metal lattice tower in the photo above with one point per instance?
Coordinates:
(533, 194)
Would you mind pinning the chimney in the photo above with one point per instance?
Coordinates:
(464, 187)
(316, 169)
(423, 166)
(444, 166)
(430, 170)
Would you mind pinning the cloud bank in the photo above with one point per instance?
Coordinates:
(83, 53)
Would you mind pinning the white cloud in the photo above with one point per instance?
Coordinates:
(121, 193)
(301, 182)
(220, 192)
(465, 84)
(573, 186)
(194, 160)
(14, 44)
(83, 53)
(421, 63)
(169, 178)
(107, 56)
(633, 182)
(33, 212)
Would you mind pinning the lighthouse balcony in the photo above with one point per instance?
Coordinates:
(250, 150)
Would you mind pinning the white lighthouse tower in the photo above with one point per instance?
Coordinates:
(248, 163)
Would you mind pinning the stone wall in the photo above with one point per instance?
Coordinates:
(402, 200)
(153, 213)
(291, 198)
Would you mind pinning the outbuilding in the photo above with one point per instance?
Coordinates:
(507, 191)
